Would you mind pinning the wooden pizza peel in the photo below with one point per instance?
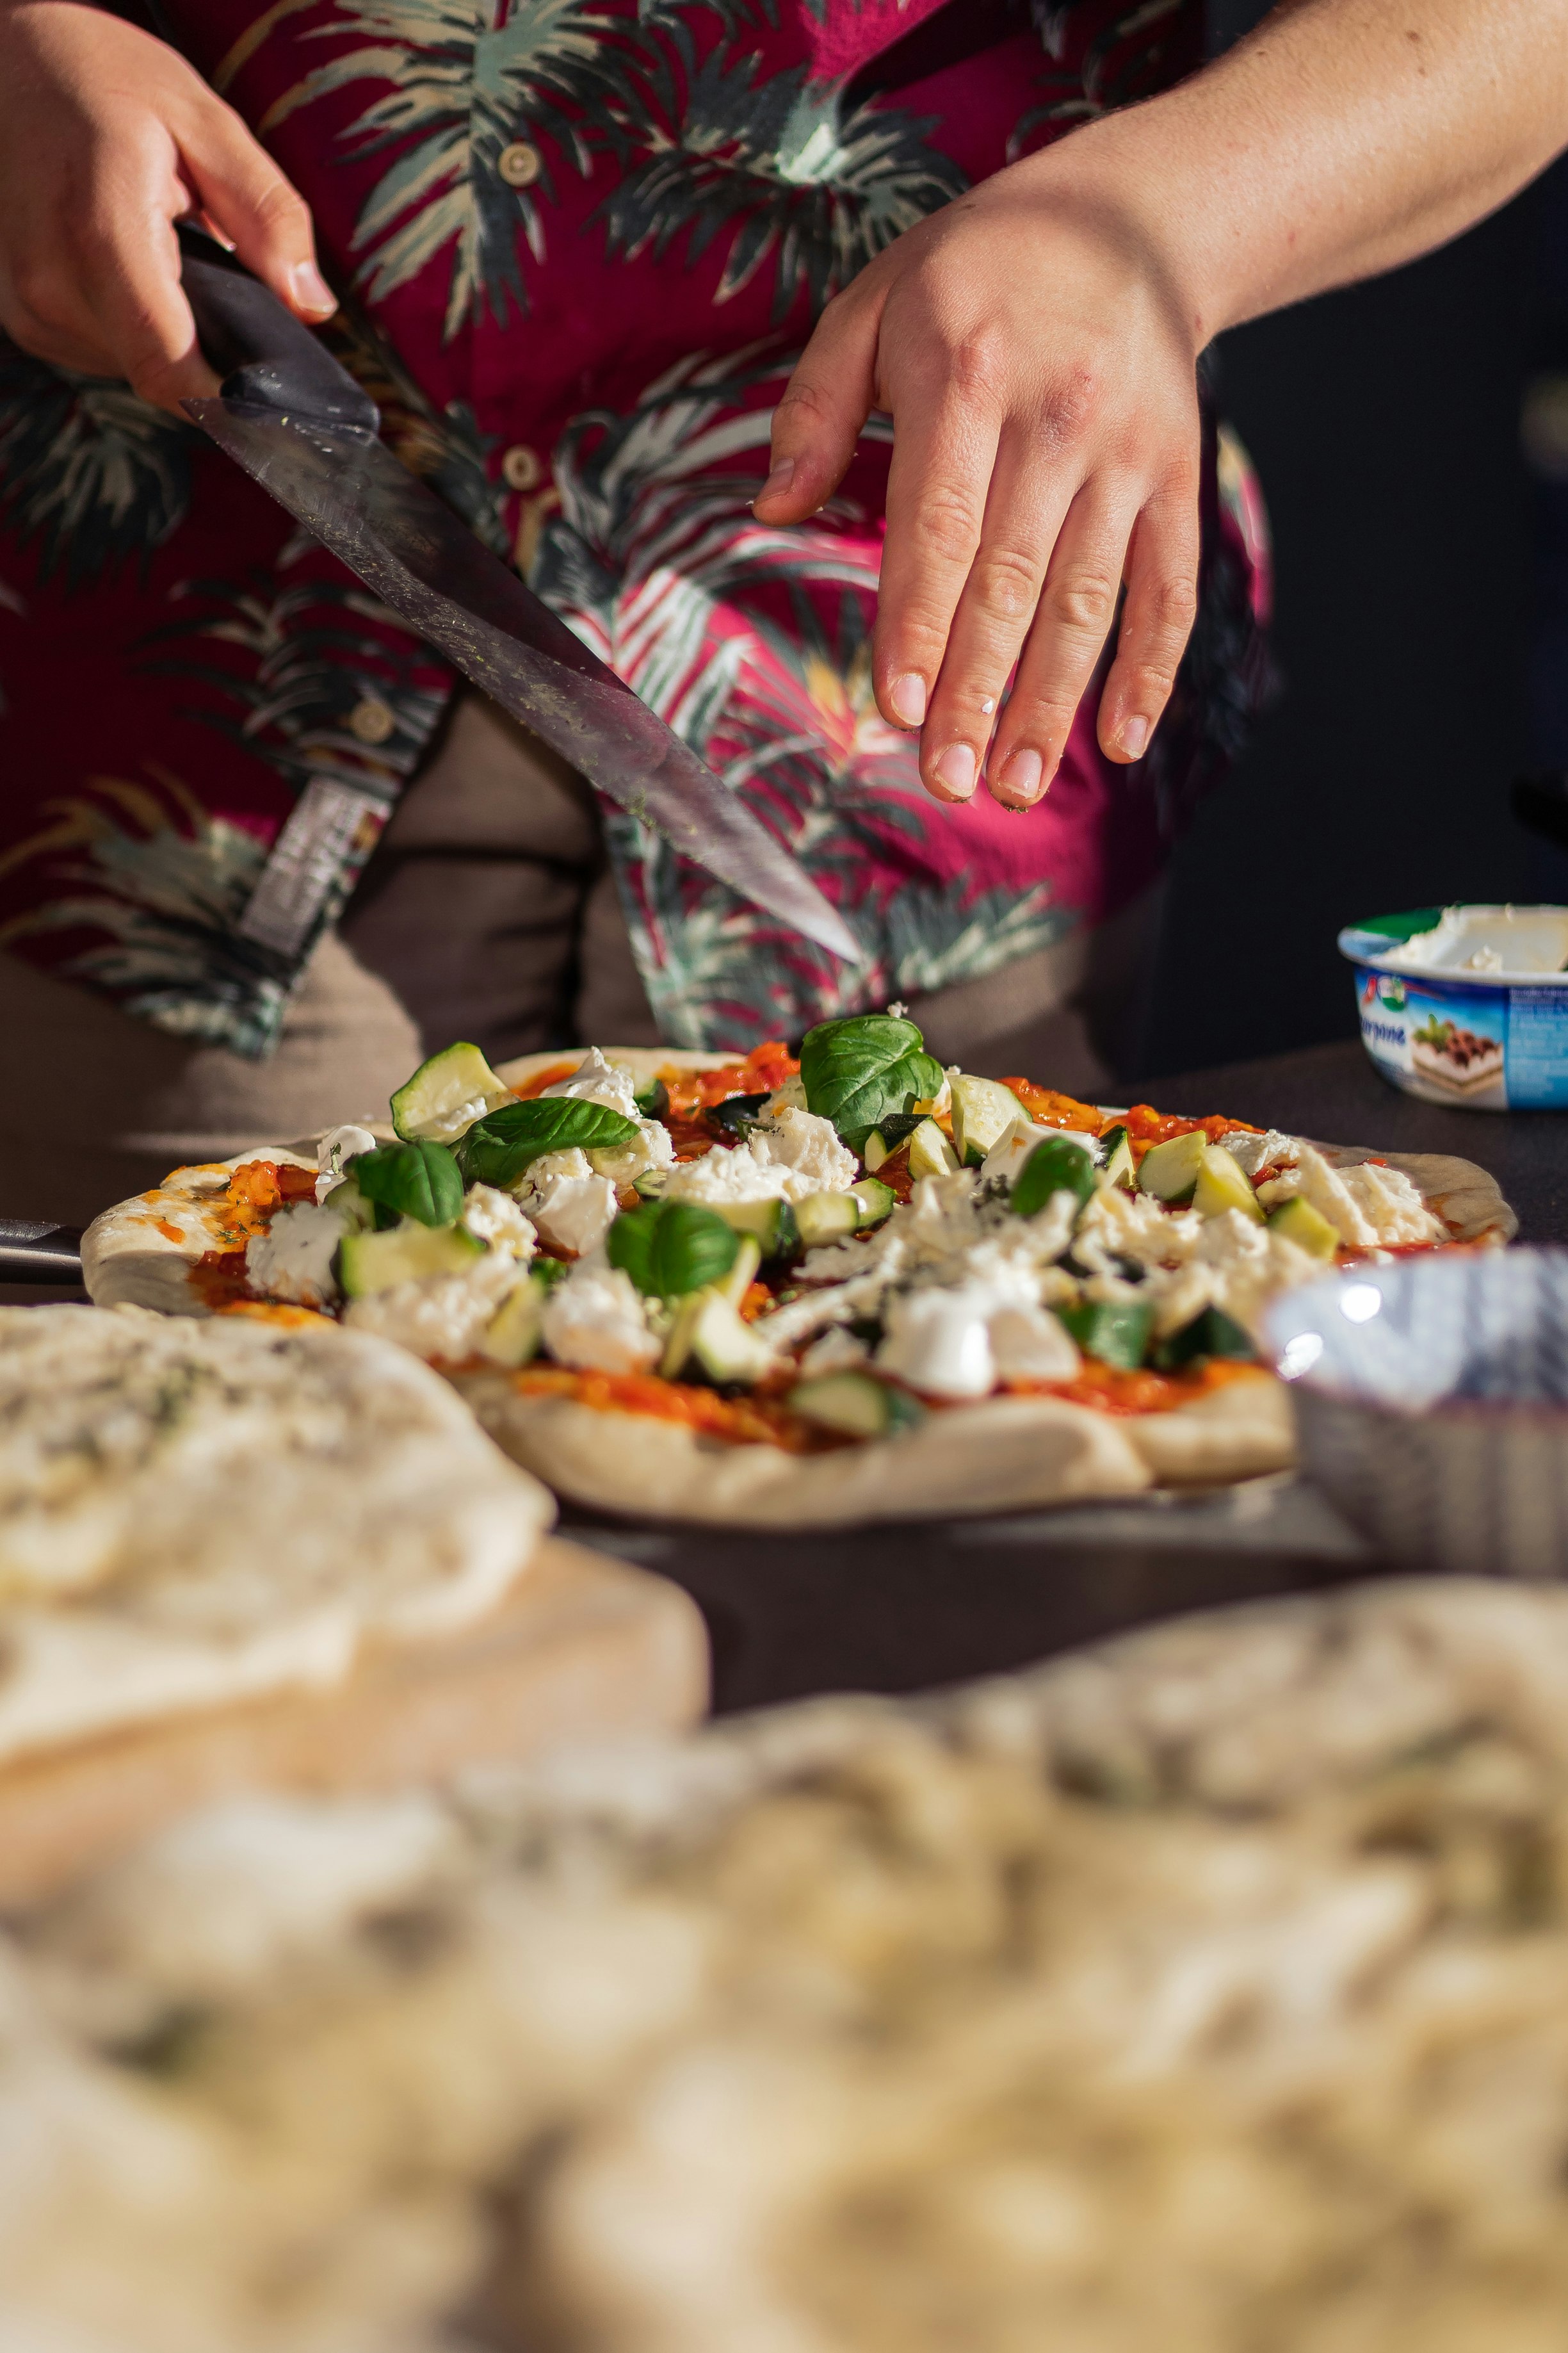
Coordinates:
(584, 1647)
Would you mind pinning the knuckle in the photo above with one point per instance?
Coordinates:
(978, 367)
(280, 209)
(1175, 607)
(39, 292)
(946, 527)
(1006, 580)
(1072, 401)
(1082, 601)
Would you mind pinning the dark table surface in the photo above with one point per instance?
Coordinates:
(903, 1609)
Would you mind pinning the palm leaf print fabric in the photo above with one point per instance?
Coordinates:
(581, 243)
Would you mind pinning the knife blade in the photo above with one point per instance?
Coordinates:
(302, 428)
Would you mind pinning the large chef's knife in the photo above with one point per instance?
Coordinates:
(302, 428)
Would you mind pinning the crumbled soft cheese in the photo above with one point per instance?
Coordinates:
(595, 1321)
(837, 1351)
(1008, 1154)
(1328, 1192)
(441, 1316)
(571, 1208)
(1392, 1204)
(653, 1146)
(597, 1081)
(1134, 1226)
(939, 1342)
(726, 1175)
(1030, 1343)
(292, 1260)
(1238, 1265)
(808, 1148)
(1251, 1153)
(791, 1096)
(337, 1147)
(494, 1218)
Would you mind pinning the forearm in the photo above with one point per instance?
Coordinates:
(1342, 138)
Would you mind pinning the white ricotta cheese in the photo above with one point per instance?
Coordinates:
(1008, 1154)
(495, 1219)
(595, 1321)
(809, 1151)
(1029, 1343)
(441, 1317)
(1251, 1153)
(940, 1342)
(652, 1147)
(791, 1096)
(335, 1150)
(1391, 1204)
(570, 1207)
(837, 1351)
(725, 1174)
(597, 1081)
(292, 1260)
(1134, 1226)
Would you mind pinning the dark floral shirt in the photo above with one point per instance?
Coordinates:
(582, 242)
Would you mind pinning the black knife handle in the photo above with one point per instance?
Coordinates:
(35, 1252)
(266, 357)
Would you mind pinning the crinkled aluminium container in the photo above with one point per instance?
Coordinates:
(1467, 1005)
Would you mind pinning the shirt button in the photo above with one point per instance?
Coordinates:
(520, 468)
(371, 720)
(519, 164)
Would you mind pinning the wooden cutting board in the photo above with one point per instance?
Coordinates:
(584, 1647)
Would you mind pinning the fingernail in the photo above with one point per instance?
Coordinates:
(955, 770)
(779, 479)
(1021, 776)
(1135, 736)
(311, 289)
(908, 697)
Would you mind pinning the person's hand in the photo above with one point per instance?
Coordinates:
(1040, 366)
(107, 138)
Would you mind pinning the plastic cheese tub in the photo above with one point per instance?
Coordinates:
(1467, 1005)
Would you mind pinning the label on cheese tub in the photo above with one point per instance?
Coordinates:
(1484, 1049)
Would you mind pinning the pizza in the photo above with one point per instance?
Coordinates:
(195, 1514)
(858, 2026)
(797, 1290)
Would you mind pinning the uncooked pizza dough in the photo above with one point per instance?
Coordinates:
(194, 1513)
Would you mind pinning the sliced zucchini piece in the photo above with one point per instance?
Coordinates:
(652, 1099)
(446, 1095)
(1223, 1184)
(1169, 1171)
(854, 1405)
(1212, 1334)
(725, 1345)
(513, 1332)
(887, 1135)
(1299, 1222)
(824, 1217)
(347, 1202)
(877, 1201)
(709, 1333)
(982, 1112)
(771, 1223)
(744, 1273)
(1120, 1166)
(1114, 1330)
(650, 1184)
(405, 1253)
(1056, 1166)
(931, 1154)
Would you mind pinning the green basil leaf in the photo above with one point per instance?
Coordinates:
(418, 1181)
(669, 1248)
(865, 1069)
(1053, 1167)
(499, 1147)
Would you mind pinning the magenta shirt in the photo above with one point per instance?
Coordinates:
(582, 247)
